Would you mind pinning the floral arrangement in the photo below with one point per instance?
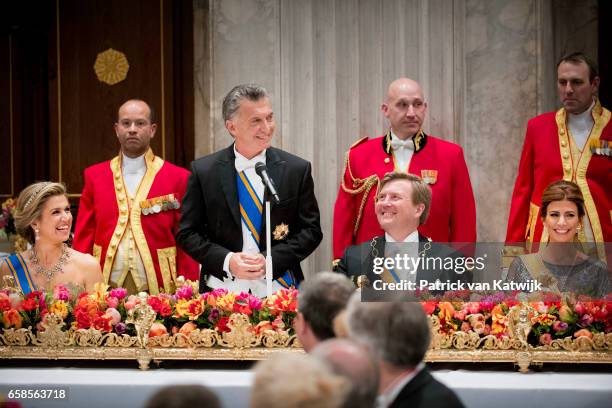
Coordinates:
(550, 317)
(7, 218)
(107, 310)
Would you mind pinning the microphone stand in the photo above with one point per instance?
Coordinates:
(269, 274)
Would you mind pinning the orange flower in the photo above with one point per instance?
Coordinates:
(226, 302)
(500, 320)
(583, 333)
(447, 311)
(263, 326)
(60, 308)
(11, 318)
(544, 319)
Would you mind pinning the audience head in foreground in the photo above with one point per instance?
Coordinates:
(398, 335)
(321, 299)
(356, 363)
(290, 380)
(184, 396)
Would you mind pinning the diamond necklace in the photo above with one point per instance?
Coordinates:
(55, 269)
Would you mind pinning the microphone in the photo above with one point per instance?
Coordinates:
(261, 169)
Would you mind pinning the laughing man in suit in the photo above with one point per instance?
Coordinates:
(223, 219)
(402, 204)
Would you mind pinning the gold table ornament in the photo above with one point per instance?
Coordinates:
(111, 66)
(242, 342)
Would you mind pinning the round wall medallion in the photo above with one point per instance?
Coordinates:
(111, 66)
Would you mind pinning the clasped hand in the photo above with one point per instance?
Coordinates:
(247, 266)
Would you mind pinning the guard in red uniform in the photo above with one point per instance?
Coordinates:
(572, 144)
(129, 211)
(405, 147)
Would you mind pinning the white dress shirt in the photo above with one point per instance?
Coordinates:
(249, 245)
(410, 247)
(580, 126)
(402, 152)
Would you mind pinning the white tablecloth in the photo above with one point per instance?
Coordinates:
(126, 387)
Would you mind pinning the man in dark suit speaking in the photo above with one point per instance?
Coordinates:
(223, 218)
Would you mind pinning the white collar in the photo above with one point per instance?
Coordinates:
(242, 163)
(413, 237)
(385, 399)
(396, 142)
(133, 165)
(584, 117)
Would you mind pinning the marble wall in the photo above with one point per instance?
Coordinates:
(486, 66)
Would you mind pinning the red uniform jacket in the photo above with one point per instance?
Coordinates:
(452, 217)
(104, 213)
(546, 158)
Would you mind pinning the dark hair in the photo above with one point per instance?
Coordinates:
(421, 193)
(577, 58)
(183, 396)
(320, 300)
(563, 190)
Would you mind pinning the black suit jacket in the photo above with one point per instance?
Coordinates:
(427, 392)
(210, 225)
(358, 260)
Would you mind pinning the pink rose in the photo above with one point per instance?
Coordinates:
(114, 315)
(579, 308)
(131, 301)
(184, 292)
(559, 326)
(187, 328)
(545, 339)
(472, 307)
(118, 293)
(487, 329)
(61, 293)
(459, 315)
(112, 301)
(14, 300)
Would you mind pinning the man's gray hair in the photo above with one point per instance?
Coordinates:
(231, 102)
(320, 300)
(397, 332)
(355, 362)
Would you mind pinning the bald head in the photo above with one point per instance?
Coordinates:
(403, 85)
(405, 107)
(353, 361)
(134, 128)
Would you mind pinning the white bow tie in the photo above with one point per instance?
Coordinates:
(243, 163)
(397, 144)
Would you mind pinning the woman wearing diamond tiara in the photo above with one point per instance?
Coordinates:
(43, 218)
(561, 265)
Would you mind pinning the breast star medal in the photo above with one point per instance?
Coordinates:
(281, 231)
